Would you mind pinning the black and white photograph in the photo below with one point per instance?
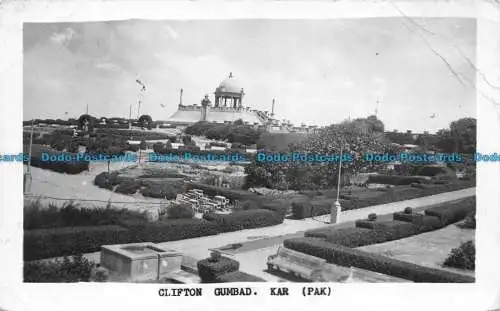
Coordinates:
(250, 151)
(247, 155)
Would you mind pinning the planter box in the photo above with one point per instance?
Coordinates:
(140, 261)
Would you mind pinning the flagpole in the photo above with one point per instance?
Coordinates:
(27, 180)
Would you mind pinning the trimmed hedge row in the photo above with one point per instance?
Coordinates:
(245, 219)
(394, 179)
(304, 209)
(47, 243)
(169, 230)
(452, 212)
(210, 270)
(65, 241)
(348, 257)
(238, 276)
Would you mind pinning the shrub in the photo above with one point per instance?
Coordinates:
(408, 210)
(372, 217)
(76, 269)
(105, 180)
(452, 212)
(238, 276)
(463, 257)
(348, 257)
(249, 219)
(57, 242)
(209, 270)
(301, 210)
(178, 211)
(389, 230)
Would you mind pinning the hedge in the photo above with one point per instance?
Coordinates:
(307, 209)
(350, 237)
(424, 222)
(302, 209)
(248, 219)
(238, 276)
(345, 256)
(452, 212)
(209, 270)
(166, 230)
(57, 242)
(394, 179)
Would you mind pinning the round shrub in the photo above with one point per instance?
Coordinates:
(372, 217)
(408, 210)
(178, 211)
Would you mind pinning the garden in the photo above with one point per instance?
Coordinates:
(344, 246)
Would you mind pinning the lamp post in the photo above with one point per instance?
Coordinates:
(336, 208)
(27, 175)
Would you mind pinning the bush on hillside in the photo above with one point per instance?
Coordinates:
(463, 257)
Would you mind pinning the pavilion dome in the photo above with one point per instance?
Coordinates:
(229, 85)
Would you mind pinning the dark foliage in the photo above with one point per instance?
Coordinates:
(372, 217)
(209, 270)
(57, 242)
(180, 211)
(463, 257)
(75, 269)
(237, 276)
(248, 219)
(452, 212)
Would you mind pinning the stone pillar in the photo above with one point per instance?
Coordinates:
(335, 212)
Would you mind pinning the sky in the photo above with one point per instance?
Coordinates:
(421, 71)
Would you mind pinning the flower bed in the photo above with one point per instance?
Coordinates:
(453, 211)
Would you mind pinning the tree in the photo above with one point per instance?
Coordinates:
(86, 122)
(460, 137)
(145, 121)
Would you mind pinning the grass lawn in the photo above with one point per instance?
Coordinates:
(427, 249)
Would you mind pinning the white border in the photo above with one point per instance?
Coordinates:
(14, 295)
